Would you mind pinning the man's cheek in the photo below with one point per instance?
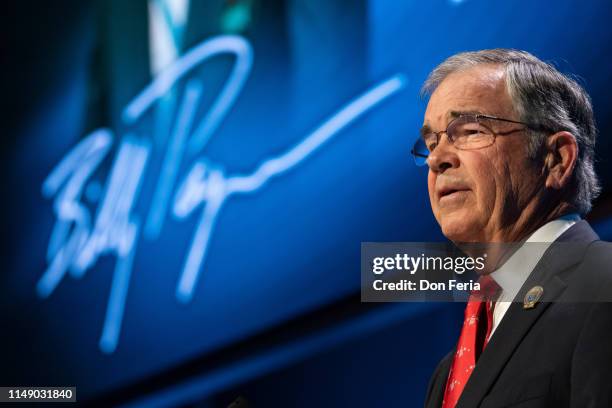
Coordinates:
(432, 199)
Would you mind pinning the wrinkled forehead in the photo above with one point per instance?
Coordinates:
(480, 89)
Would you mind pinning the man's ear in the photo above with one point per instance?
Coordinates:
(560, 160)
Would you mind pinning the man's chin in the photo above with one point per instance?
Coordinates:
(459, 228)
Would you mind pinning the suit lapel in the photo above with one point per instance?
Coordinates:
(507, 337)
(438, 387)
(561, 255)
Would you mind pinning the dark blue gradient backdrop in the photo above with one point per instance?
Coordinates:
(274, 314)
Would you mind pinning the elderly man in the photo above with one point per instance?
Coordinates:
(509, 142)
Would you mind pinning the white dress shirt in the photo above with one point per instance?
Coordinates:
(514, 272)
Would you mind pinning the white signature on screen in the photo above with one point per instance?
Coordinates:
(80, 237)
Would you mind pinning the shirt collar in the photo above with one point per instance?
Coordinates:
(515, 271)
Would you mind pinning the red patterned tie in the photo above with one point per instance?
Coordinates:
(470, 344)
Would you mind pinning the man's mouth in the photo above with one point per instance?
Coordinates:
(451, 192)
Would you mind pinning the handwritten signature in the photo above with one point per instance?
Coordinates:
(80, 237)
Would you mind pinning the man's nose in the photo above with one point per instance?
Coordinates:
(443, 157)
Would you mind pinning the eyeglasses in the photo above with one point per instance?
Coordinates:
(465, 132)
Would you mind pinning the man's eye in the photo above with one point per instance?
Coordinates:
(473, 130)
(431, 146)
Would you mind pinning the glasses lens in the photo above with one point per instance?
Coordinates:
(420, 152)
(470, 132)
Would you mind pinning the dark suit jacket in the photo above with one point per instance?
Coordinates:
(557, 354)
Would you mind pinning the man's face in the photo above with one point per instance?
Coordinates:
(479, 195)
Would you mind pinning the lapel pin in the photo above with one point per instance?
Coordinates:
(532, 297)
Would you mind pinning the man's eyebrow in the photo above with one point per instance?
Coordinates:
(425, 129)
(456, 114)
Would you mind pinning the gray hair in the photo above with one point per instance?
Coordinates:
(545, 97)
